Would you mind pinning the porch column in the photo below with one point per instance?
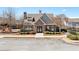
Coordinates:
(60, 29)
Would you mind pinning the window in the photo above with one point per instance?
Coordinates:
(28, 28)
(29, 19)
(52, 29)
(48, 27)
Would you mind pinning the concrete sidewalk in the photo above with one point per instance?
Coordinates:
(63, 37)
(31, 36)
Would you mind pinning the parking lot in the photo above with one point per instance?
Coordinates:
(35, 44)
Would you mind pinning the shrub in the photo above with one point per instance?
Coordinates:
(72, 32)
(47, 32)
(22, 32)
(32, 32)
(77, 33)
(50, 32)
(58, 32)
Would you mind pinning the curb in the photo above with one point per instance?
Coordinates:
(67, 40)
(30, 36)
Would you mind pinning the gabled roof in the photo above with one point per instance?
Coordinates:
(62, 15)
(60, 22)
(47, 19)
(40, 22)
(36, 16)
(73, 20)
(57, 21)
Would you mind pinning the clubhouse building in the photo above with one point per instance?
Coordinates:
(41, 22)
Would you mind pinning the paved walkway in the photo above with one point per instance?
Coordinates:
(39, 35)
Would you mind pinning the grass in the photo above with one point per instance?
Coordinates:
(74, 36)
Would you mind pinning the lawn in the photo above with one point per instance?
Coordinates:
(73, 35)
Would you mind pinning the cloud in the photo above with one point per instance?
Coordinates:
(73, 17)
(64, 10)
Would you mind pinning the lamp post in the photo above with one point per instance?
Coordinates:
(76, 30)
(71, 27)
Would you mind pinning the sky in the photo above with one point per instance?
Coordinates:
(68, 11)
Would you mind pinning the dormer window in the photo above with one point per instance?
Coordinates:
(29, 17)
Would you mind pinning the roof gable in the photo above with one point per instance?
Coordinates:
(40, 22)
(46, 19)
(36, 16)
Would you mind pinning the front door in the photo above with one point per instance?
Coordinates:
(39, 29)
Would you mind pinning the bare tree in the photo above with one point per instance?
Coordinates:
(9, 16)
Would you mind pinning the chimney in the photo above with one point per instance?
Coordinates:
(25, 15)
(40, 12)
